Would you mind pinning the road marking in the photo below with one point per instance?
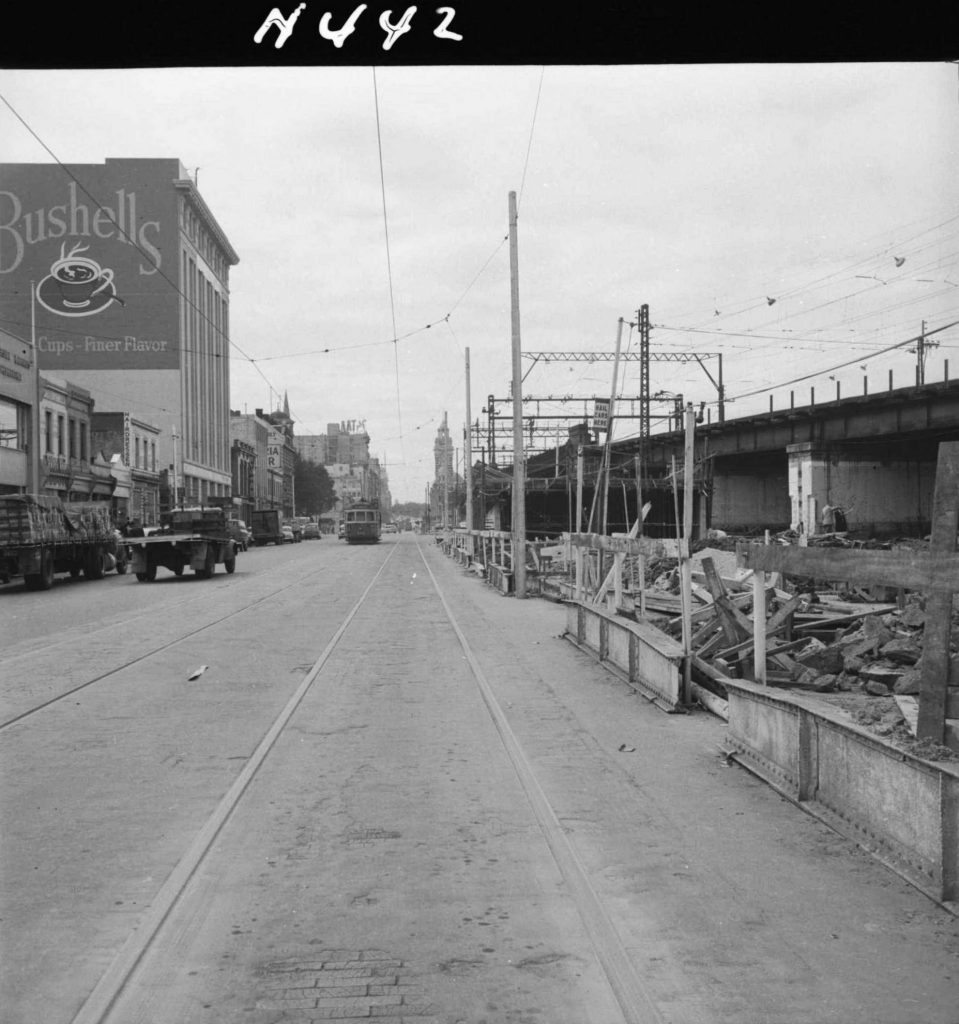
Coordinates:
(630, 992)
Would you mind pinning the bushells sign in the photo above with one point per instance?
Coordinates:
(99, 242)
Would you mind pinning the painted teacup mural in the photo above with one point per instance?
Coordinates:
(78, 285)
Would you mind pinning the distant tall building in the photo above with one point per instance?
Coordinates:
(442, 495)
(344, 450)
(443, 452)
(346, 444)
(126, 272)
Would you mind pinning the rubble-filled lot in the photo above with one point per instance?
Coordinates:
(857, 649)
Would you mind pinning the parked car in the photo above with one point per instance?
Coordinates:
(286, 532)
(390, 528)
(341, 531)
(311, 531)
(241, 533)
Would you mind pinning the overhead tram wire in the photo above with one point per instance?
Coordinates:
(840, 366)
(905, 246)
(389, 267)
(532, 127)
(101, 208)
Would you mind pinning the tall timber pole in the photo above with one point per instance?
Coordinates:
(607, 452)
(685, 565)
(519, 460)
(468, 460)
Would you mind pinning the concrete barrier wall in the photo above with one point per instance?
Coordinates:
(637, 652)
(904, 810)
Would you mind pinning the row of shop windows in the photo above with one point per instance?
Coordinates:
(64, 435)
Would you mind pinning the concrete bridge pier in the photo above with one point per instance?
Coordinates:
(881, 489)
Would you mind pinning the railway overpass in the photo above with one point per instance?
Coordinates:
(865, 463)
(871, 457)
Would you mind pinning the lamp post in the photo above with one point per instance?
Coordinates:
(35, 482)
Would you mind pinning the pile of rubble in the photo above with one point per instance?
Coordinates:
(859, 649)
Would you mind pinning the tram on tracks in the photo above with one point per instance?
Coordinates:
(362, 523)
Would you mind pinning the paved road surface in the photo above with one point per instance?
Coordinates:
(395, 795)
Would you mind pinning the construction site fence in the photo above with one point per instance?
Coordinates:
(588, 567)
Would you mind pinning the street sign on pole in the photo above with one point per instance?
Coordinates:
(601, 414)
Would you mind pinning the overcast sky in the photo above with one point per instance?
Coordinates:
(702, 191)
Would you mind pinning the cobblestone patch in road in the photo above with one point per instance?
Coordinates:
(342, 985)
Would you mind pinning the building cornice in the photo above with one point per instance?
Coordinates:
(187, 186)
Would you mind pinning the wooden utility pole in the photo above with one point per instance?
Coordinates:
(685, 563)
(519, 460)
(579, 488)
(609, 428)
(934, 684)
(468, 458)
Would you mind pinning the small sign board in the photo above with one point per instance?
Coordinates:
(601, 414)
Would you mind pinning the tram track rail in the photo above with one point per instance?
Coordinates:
(96, 1008)
(625, 984)
(152, 652)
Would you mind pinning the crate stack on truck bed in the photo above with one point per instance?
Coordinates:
(41, 536)
(195, 538)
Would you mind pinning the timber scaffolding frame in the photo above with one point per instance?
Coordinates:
(576, 482)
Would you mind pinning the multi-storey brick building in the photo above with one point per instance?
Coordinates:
(133, 444)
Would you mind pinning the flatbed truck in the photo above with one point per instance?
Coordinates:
(40, 536)
(195, 538)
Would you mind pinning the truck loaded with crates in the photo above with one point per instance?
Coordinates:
(195, 538)
(40, 536)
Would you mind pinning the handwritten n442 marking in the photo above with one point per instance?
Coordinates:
(393, 30)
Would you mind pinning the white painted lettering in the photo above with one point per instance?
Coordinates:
(103, 218)
(7, 227)
(393, 32)
(284, 26)
(101, 344)
(77, 220)
(151, 250)
(339, 36)
(45, 344)
(442, 30)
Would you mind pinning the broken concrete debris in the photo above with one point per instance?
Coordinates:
(856, 647)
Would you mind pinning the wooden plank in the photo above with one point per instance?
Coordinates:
(916, 570)
(759, 624)
(909, 707)
(707, 649)
(842, 620)
(942, 542)
(791, 645)
(779, 618)
(599, 541)
(736, 625)
(708, 611)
